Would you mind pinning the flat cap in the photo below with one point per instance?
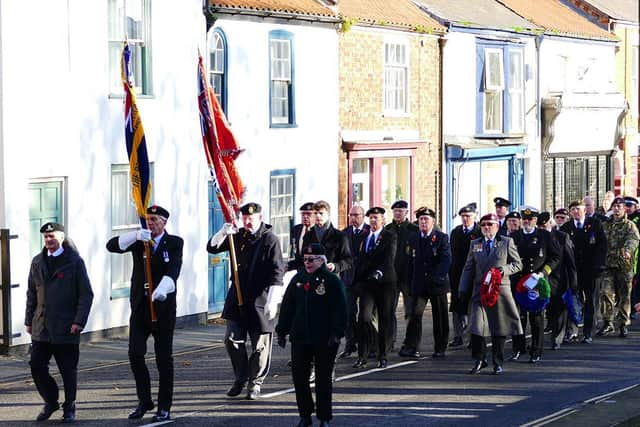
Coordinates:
(501, 201)
(543, 218)
(158, 210)
(529, 212)
(561, 211)
(425, 211)
(490, 217)
(375, 210)
(307, 206)
(470, 208)
(575, 203)
(630, 201)
(250, 209)
(51, 226)
(513, 214)
(314, 249)
(400, 204)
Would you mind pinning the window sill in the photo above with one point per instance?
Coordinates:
(121, 96)
(283, 125)
(500, 135)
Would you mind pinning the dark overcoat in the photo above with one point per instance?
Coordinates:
(429, 263)
(460, 242)
(335, 245)
(380, 258)
(355, 245)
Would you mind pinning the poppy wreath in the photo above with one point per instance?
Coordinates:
(574, 306)
(533, 299)
(490, 289)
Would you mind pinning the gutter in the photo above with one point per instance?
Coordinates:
(214, 11)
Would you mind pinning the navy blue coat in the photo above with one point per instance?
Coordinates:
(429, 263)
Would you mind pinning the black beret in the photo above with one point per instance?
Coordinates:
(561, 211)
(314, 249)
(375, 210)
(617, 200)
(528, 212)
(425, 211)
(500, 201)
(513, 214)
(158, 210)
(250, 209)
(400, 204)
(307, 206)
(630, 201)
(575, 203)
(470, 208)
(51, 226)
(543, 218)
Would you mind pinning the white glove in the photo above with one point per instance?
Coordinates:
(143, 234)
(274, 298)
(127, 239)
(166, 286)
(218, 238)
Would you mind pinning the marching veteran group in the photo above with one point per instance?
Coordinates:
(506, 270)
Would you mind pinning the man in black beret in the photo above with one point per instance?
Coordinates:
(401, 225)
(166, 263)
(429, 263)
(59, 299)
(375, 285)
(461, 237)
(260, 271)
(513, 222)
(297, 236)
(502, 209)
(560, 216)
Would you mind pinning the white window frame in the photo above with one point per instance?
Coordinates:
(493, 88)
(217, 64)
(140, 44)
(516, 92)
(396, 68)
(281, 206)
(280, 63)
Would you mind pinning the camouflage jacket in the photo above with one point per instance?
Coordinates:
(622, 236)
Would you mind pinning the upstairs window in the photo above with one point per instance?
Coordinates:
(396, 72)
(493, 90)
(130, 19)
(516, 92)
(281, 79)
(218, 66)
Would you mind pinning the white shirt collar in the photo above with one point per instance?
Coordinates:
(57, 252)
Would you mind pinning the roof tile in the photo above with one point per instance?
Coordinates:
(398, 13)
(302, 7)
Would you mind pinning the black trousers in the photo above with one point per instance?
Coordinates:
(440, 316)
(139, 331)
(352, 311)
(66, 356)
(380, 296)
(537, 333)
(587, 289)
(558, 315)
(479, 348)
(323, 357)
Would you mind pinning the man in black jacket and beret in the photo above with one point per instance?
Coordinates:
(59, 299)
(166, 262)
(260, 271)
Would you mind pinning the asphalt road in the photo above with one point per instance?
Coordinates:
(421, 392)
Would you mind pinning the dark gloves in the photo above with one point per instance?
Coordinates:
(282, 341)
(375, 276)
(333, 341)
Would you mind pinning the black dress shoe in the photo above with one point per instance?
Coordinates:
(142, 409)
(607, 329)
(382, 363)
(254, 393)
(360, 364)
(624, 332)
(408, 352)
(161, 415)
(235, 389)
(304, 422)
(438, 355)
(456, 342)
(47, 410)
(497, 370)
(570, 338)
(480, 365)
(587, 340)
(515, 356)
(68, 413)
(535, 359)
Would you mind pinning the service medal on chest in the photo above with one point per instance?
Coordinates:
(534, 241)
(320, 290)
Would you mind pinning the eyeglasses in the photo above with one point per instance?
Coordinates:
(310, 258)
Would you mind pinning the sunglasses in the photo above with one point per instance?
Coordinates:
(310, 258)
(487, 224)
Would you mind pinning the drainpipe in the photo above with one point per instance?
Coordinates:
(442, 41)
(538, 41)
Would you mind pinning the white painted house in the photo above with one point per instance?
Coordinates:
(62, 149)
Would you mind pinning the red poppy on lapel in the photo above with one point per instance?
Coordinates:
(60, 275)
(306, 286)
(433, 238)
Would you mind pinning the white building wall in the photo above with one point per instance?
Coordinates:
(59, 121)
(310, 148)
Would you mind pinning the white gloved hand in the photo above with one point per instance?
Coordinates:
(218, 238)
(127, 239)
(274, 298)
(166, 286)
(143, 234)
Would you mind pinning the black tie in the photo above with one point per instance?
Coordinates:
(356, 231)
(371, 243)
